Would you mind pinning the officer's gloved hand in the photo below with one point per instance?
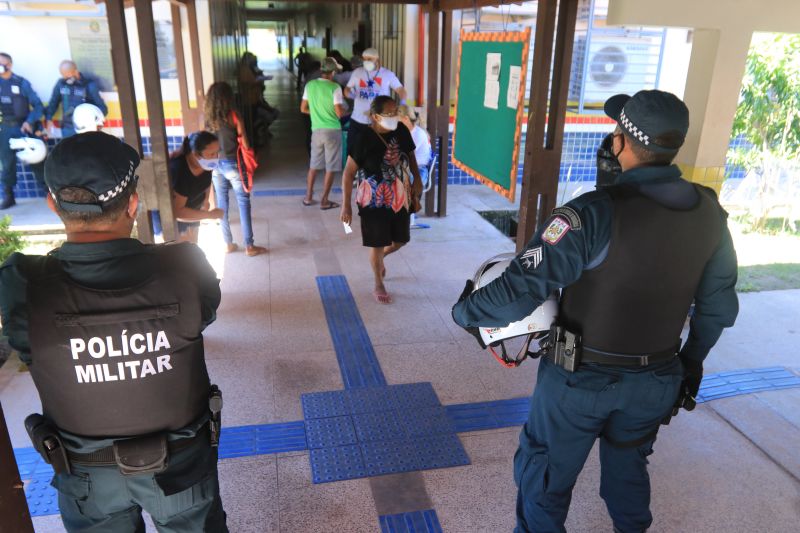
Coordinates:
(468, 288)
(692, 376)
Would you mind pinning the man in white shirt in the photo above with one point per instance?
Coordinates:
(365, 84)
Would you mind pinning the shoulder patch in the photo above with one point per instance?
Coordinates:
(556, 230)
(571, 215)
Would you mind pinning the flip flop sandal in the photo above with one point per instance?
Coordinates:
(331, 205)
(309, 204)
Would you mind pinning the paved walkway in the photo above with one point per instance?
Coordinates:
(729, 466)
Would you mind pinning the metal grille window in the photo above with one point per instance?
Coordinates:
(388, 35)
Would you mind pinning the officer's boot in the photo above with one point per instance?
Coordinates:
(8, 201)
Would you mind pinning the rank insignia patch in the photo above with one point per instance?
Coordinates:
(556, 230)
(531, 258)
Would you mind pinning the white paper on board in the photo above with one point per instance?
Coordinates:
(493, 61)
(514, 80)
(491, 96)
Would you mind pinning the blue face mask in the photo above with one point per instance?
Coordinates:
(208, 164)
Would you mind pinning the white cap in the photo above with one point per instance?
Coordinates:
(371, 52)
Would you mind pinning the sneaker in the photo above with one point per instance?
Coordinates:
(232, 247)
(253, 250)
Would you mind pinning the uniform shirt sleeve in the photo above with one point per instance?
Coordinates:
(547, 263)
(338, 97)
(54, 102)
(715, 302)
(95, 98)
(13, 307)
(33, 100)
(206, 277)
(354, 77)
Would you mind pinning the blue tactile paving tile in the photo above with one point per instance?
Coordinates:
(330, 432)
(736, 382)
(31, 464)
(325, 404)
(41, 496)
(390, 457)
(413, 395)
(243, 441)
(380, 426)
(414, 522)
(371, 399)
(426, 421)
(440, 451)
(357, 360)
(336, 464)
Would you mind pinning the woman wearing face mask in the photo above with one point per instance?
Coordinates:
(382, 160)
(227, 123)
(190, 171)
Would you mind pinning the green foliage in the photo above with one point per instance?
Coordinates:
(769, 108)
(10, 240)
(774, 277)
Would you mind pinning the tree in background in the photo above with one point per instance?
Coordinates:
(768, 117)
(10, 240)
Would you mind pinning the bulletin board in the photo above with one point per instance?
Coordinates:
(490, 89)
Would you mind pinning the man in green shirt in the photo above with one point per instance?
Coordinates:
(324, 101)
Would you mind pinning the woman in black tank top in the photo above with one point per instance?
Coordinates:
(226, 123)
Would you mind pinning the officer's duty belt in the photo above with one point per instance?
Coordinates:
(105, 456)
(589, 355)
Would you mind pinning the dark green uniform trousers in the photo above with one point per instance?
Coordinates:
(99, 499)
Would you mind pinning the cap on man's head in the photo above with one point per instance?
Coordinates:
(96, 162)
(329, 64)
(371, 52)
(656, 120)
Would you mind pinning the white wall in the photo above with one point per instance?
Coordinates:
(675, 63)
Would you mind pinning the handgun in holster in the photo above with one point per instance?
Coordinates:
(47, 441)
(215, 406)
(565, 348)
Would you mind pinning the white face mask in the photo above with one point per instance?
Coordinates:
(370, 66)
(2, 69)
(208, 164)
(389, 123)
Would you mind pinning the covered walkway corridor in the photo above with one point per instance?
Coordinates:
(431, 438)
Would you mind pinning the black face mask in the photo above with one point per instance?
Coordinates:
(608, 167)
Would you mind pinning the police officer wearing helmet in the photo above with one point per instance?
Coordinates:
(70, 91)
(111, 330)
(20, 108)
(631, 257)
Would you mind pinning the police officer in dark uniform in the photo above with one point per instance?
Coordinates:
(20, 108)
(631, 257)
(70, 91)
(111, 330)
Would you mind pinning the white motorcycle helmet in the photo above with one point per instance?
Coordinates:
(87, 117)
(535, 326)
(30, 150)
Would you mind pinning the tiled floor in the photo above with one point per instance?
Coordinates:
(729, 466)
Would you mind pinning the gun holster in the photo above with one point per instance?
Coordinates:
(564, 348)
(47, 441)
(215, 422)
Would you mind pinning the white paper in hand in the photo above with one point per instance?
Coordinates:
(347, 229)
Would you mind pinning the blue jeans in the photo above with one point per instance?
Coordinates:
(225, 178)
(569, 411)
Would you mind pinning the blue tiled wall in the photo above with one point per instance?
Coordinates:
(28, 187)
(577, 163)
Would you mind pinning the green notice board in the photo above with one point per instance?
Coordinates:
(486, 136)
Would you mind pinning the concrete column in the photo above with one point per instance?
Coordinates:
(716, 69)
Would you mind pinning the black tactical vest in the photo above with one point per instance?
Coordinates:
(118, 363)
(13, 105)
(637, 300)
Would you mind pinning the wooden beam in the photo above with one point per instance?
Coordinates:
(197, 66)
(434, 21)
(13, 505)
(123, 77)
(443, 118)
(542, 144)
(155, 112)
(451, 5)
(265, 15)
